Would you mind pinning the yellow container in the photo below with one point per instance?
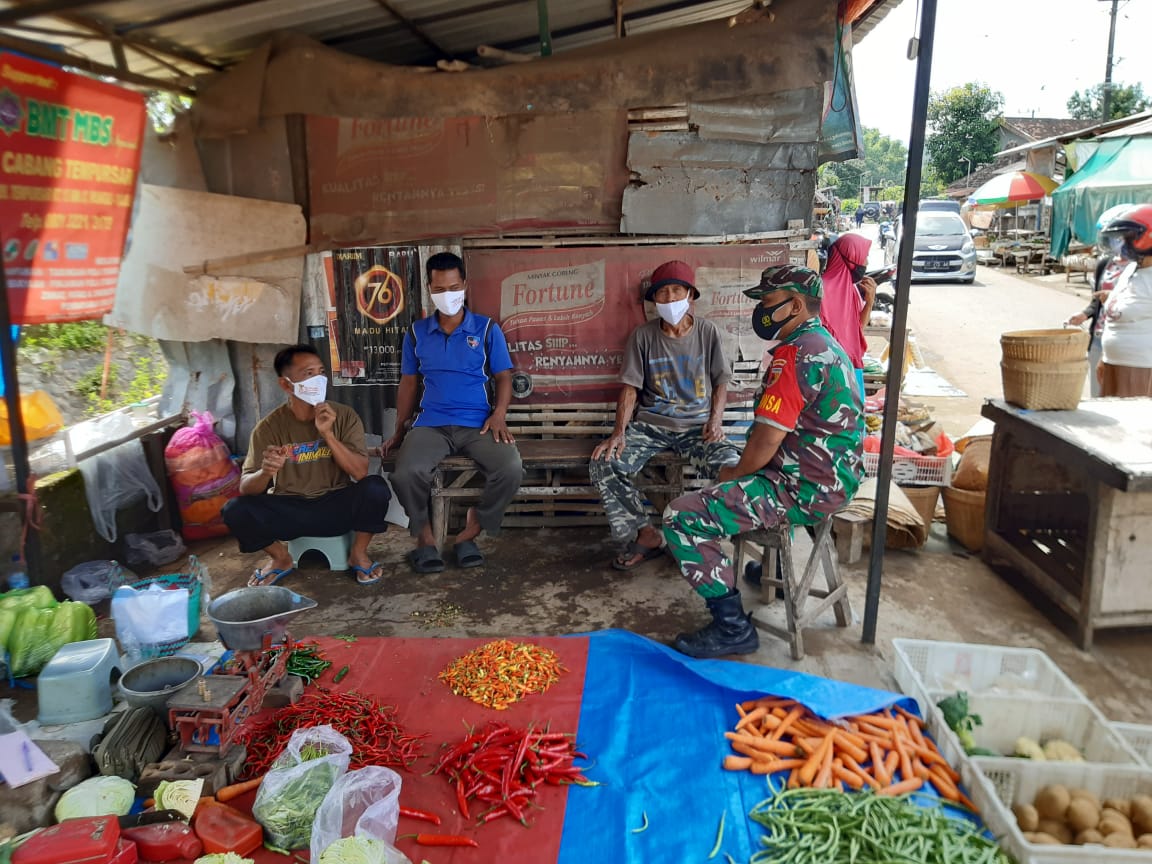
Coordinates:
(41, 417)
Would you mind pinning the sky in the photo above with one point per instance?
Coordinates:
(1036, 53)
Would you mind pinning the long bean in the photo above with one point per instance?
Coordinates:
(814, 826)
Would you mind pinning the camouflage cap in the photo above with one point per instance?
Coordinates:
(799, 280)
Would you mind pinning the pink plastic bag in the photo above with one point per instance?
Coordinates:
(203, 476)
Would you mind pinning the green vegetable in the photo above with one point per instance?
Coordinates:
(7, 622)
(357, 850)
(719, 838)
(40, 597)
(339, 676)
(817, 826)
(39, 633)
(287, 806)
(1028, 748)
(180, 795)
(955, 711)
(96, 796)
(223, 858)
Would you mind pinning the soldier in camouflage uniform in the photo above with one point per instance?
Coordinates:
(674, 379)
(801, 463)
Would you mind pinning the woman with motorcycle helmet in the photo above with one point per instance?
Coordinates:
(1109, 266)
(1126, 363)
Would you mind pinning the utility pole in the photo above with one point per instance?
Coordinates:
(1106, 96)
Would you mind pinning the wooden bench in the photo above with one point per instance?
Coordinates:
(556, 444)
(1082, 264)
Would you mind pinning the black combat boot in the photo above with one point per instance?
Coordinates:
(731, 631)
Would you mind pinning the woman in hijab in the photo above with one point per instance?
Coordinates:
(848, 297)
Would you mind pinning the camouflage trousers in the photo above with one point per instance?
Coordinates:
(623, 503)
(697, 525)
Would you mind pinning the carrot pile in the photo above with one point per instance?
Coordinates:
(502, 672)
(887, 751)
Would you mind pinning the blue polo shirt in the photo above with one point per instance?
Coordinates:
(456, 368)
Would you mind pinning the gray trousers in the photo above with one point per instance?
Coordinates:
(421, 452)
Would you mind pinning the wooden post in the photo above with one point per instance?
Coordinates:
(545, 33)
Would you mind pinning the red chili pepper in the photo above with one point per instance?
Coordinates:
(420, 814)
(445, 840)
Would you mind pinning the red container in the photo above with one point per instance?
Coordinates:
(125, 853)
(91, 840)
(223, 829)
(165, 841)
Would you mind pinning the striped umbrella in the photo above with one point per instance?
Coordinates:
(1015, 187)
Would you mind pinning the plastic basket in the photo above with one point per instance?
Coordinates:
(193, 580)
(920, 470)
(1006, 718)
(964, 514)
(1003, 782)
(923, 665)
(1044, 346)
(1044, 386)
(1139, 738)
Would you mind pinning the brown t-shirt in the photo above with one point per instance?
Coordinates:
(310, 470)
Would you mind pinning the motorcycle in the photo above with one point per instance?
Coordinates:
(884, 301)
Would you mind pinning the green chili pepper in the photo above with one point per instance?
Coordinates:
(340, 675)
(643, 827)
(719, 838)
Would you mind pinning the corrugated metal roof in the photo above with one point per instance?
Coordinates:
(185, 37)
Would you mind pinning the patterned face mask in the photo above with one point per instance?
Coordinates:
(764, 323)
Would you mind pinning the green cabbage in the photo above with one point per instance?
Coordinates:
(358, 850)
(40, 597)
(223, 858)
(96, 796)
(39, 633)
(7, 622)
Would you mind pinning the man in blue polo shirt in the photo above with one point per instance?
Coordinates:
(460, 358)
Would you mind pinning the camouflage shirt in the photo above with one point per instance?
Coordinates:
(810, 392)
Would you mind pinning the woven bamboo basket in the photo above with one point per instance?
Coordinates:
(1044, 386)
(1044, 346)
(964, 514)
(924, 499)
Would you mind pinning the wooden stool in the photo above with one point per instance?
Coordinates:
(776, 571)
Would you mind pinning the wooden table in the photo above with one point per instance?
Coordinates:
(1069, 507)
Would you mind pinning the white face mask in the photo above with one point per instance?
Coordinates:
(311, 390)
(449, 302)
(672, 312)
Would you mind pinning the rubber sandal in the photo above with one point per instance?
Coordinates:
(268, 578)
(426, 559)
(364, 574)
(468, 555)
(647, 553)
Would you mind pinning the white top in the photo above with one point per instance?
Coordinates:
(1127, 339)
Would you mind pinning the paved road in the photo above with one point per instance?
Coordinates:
(957, 328)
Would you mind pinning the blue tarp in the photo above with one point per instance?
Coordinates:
(653, 721)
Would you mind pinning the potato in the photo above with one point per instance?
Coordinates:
(1120, 841)
(1052, 801)
(1114, 824)
(1089, 836)
(1141, 813)
(1084, 793)
(1121, 805)
(1026, 817)
(1055, 828)
(1042, 839)
(1082, 814)
(1144, 841)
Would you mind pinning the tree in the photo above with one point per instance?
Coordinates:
(1126, 101)
(883, 163)
(964, 126)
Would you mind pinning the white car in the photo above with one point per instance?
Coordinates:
(944, 249)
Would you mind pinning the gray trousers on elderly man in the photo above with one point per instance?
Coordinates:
(421, 452)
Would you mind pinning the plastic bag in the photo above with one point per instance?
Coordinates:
(203, 476)
(40, 415)
(151, 616)
(296, 785)
(117, 477)
(39, 633)
(154, 549)
(364, 803)
(94, 581)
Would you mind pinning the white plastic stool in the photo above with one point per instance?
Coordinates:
(76, 685)
(776, 544)
(335, 549)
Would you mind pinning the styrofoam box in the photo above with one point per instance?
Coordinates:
(1139, 738)
(1005, 782)
(1023, 673)
(1006, 718)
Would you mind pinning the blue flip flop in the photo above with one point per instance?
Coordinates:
(268, 578)
(362, 572)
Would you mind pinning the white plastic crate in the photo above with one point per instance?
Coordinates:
(922, 665)
(923, 470)
(1139, 738)
(1004, 782)
(1006, 718)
